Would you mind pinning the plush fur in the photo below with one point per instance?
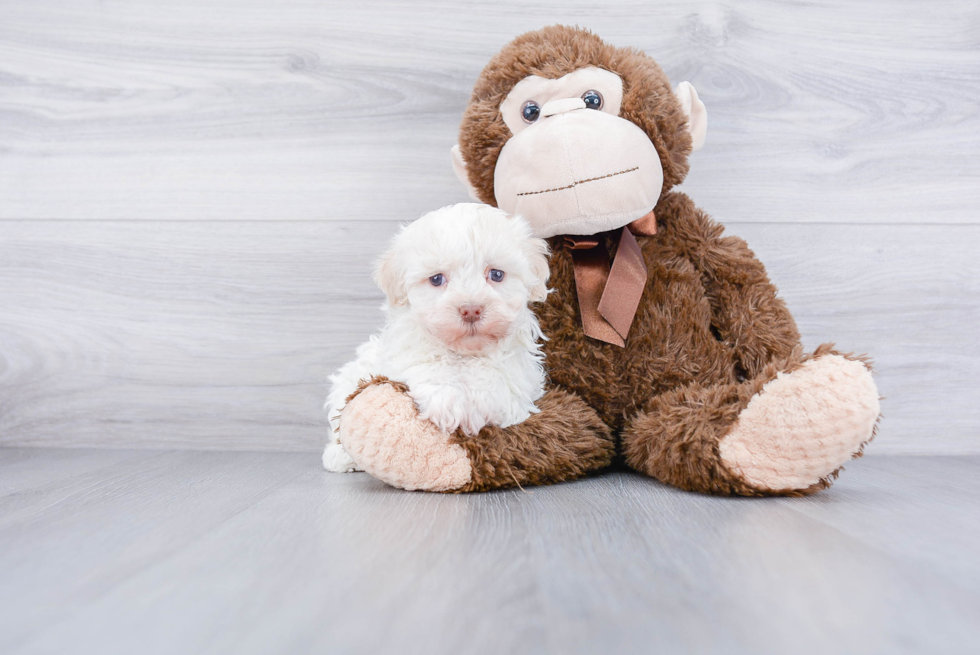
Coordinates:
(460, 374)
(712, 392)
(564, 441)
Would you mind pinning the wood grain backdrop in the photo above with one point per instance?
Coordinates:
(191, 193)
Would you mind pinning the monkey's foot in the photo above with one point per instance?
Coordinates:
(383, 433)
(803, 425)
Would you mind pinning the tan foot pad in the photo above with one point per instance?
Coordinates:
(381, 430)
(803, 425)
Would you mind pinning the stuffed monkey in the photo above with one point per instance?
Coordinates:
(667, 343)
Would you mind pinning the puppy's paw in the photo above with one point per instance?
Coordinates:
(448, 409)
(381, 429)
(337, 460)
(444, 415)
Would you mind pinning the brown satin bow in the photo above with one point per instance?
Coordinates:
(608, 297)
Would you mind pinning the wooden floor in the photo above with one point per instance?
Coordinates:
(126, 551)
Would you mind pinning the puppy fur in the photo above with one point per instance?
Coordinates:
(461, 374)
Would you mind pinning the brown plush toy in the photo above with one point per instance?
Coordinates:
(667, 343)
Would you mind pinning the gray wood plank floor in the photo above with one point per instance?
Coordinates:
(111, 551)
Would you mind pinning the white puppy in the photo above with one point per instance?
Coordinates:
(459, 330)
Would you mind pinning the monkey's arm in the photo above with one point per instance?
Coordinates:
(745, 310)
(381, 430)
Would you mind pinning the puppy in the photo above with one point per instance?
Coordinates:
(459, 332)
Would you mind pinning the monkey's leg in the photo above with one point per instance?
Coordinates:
(381, 430)
(786, 432)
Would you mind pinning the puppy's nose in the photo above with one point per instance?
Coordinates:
(471, 313)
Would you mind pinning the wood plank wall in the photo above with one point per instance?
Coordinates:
(191, 193)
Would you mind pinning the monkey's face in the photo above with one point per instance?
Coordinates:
(576, 135)
(573, 166)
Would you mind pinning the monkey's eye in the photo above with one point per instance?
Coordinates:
(496, 275)
(530, 111)
(593, 99)
(437, 280)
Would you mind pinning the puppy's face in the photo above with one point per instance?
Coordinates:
(466, 273)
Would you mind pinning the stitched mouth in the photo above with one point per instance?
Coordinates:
(575, 184)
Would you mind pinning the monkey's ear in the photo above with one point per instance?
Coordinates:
(391, 278)
(460, 167)
(697, 115)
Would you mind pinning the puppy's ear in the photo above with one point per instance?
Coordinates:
(537, 256)
(390, 276)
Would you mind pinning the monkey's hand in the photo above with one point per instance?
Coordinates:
(381, 429)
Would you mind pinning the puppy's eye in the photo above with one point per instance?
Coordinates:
(593, 99)
(530, 111)
(437, 280)
(496, 275)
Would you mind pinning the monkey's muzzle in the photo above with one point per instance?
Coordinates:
(578, 172)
